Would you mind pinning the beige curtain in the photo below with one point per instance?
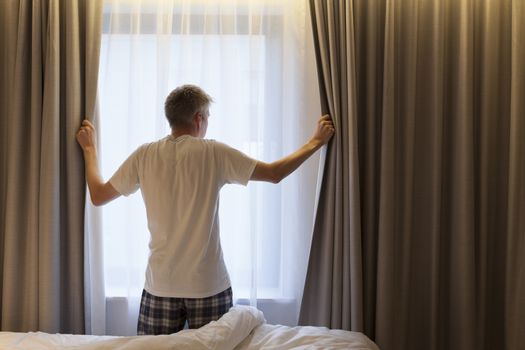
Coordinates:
(420, 229)
(49, 63)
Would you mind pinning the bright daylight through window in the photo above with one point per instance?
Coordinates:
(252, 59)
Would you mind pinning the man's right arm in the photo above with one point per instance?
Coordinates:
(101, 192)
(278, 170)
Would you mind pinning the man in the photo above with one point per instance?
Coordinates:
(180, 177)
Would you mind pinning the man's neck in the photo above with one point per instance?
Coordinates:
(179, 132)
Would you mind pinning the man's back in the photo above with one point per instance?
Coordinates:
(180, 179)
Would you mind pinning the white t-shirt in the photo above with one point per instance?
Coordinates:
(180, 181)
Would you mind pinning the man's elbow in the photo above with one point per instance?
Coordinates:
(98, 197)
(276, 178)
(97, 202)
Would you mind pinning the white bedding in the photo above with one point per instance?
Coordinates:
(242, 328)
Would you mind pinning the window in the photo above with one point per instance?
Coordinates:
(251, 60)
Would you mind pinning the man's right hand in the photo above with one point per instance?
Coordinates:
(86, 136)
(324, 130)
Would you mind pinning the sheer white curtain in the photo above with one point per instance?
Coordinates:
(255, 58)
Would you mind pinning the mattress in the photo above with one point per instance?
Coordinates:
(242, 328)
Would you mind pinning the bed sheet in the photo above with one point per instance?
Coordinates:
(242, 328)
(278, 337)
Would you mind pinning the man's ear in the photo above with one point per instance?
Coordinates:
(197, 119)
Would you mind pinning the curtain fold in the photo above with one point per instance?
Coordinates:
(435, 206)
(50, 62)
(515, 273)
(335, 266)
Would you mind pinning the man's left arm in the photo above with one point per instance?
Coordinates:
(276, 171)
(101, 192)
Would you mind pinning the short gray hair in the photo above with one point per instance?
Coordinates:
(183, 102)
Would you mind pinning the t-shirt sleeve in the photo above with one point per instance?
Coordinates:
(126, 178)
(235, 166)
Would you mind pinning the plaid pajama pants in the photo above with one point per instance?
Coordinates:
(164, 315)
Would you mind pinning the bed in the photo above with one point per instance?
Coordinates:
(242, 328)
